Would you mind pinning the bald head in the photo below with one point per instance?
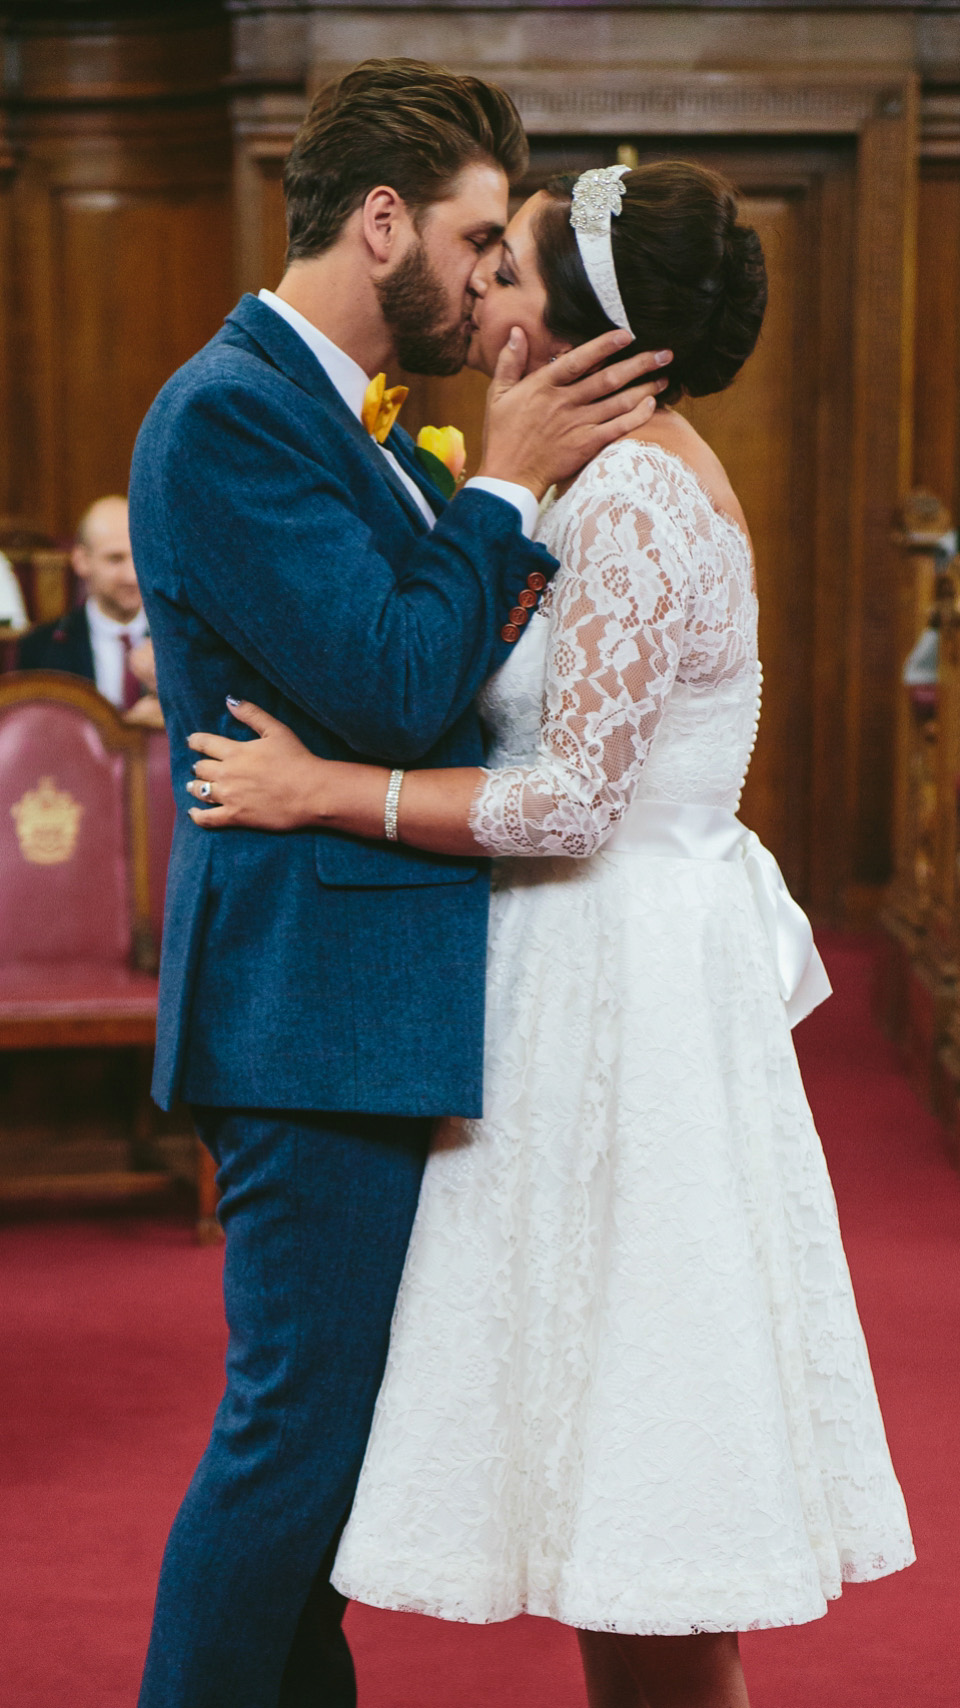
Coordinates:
(103, 559)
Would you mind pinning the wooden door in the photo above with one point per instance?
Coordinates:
(782, 430)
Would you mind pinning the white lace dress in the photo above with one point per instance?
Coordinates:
(627, 1387)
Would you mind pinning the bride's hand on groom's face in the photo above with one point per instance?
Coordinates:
(272, 784)
(544, 426)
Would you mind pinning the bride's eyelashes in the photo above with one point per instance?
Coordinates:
(504, 273)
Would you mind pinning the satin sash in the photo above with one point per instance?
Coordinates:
(660, 829)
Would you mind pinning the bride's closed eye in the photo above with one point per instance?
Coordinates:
(505, 274)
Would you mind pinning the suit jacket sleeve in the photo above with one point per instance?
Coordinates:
(273, 550)
(32, 650)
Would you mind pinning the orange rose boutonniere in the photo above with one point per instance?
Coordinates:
(442, 453)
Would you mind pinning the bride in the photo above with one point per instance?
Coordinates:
(627, 1387)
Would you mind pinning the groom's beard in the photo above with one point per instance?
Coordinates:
(415, 307)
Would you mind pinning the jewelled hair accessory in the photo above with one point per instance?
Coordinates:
(597, 197)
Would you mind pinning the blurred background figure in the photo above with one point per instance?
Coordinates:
(105, 639)
(13, 612)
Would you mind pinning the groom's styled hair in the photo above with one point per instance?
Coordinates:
(398, 122)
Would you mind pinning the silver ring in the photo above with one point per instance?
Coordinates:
(204, 791)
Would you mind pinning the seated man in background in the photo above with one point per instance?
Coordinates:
(105, 638)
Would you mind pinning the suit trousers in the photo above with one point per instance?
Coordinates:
(317, 1210)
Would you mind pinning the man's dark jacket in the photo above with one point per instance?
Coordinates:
(283, 562)
(63, 645)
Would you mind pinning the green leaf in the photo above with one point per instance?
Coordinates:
(438, 471)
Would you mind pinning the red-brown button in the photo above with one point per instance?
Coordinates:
(527, 598)
(519, 616)
(509, 632)
(536, 580)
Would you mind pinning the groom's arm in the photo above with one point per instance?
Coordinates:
(271, 549)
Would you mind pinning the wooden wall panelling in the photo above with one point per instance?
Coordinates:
(937, 390)
(7, 167)
(263, 129)
(121, 240)
(881, 467)
(830, 528)
(132, 305)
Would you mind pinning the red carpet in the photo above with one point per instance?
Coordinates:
(110, 1351)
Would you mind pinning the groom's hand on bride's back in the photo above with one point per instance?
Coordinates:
(543, 427)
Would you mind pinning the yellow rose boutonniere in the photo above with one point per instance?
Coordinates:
(442, 453)
(382, 406)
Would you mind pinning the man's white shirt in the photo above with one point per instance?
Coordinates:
(107, 648)
(351, 382)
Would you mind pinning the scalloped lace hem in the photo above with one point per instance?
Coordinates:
(475, 1603)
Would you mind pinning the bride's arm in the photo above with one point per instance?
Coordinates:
(616, 635)
(278, 784)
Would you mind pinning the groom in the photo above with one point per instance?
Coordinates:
(322, 999)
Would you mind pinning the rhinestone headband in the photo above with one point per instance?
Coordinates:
(597, 197)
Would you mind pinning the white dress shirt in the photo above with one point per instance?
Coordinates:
(351, 382)
(107, 648)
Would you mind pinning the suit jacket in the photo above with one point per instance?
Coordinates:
(63, 645)
(282, 561)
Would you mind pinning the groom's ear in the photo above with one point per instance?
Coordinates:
(385, 223)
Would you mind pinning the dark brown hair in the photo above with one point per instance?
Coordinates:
(397, 122)
(691, 277)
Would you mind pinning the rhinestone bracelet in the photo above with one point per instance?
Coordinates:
(390, 806)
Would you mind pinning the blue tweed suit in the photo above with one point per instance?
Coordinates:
(320, 998)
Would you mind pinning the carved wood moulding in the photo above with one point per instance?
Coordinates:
(665, 103)
(248, 8)
(940, 125)
(77, 68)
(7, 158)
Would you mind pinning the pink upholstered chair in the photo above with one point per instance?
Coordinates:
(77, 950)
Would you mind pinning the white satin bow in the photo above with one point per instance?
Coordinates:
(660, 828)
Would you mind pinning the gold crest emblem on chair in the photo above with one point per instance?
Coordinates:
(47, 821)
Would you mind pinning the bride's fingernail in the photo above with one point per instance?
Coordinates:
(662, 357)
(231, 701)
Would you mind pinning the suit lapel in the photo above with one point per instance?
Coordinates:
(371, 450)
(70, 648)
(84, 644)
(405, 451)
(287, 351)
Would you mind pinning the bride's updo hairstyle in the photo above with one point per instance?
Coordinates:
(692, 278)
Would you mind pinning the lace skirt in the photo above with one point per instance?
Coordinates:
(627, 1386)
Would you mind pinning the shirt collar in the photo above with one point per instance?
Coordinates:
(341, 370)
(101, 624)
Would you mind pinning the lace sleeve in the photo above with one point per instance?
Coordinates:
(617, 621)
